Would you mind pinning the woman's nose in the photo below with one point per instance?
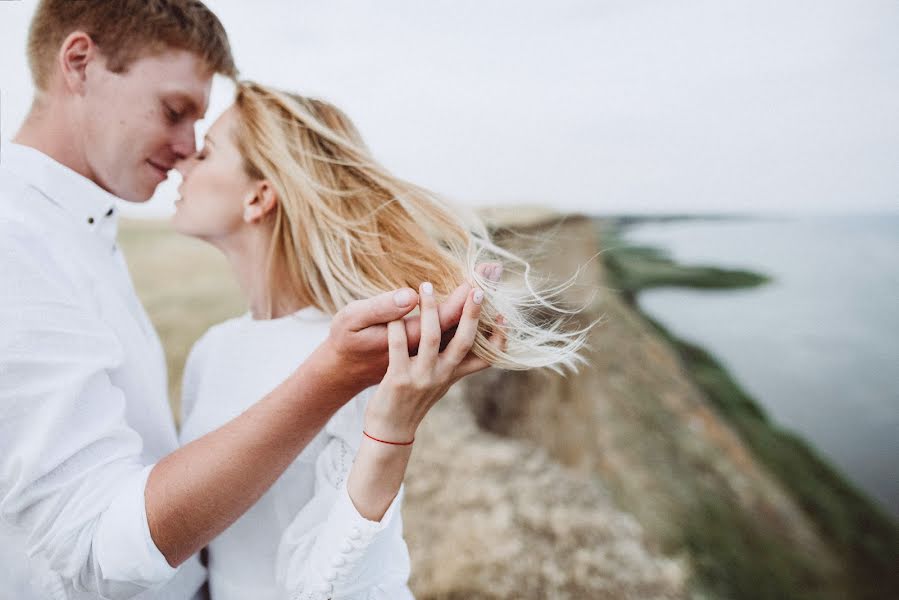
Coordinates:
(183, 165)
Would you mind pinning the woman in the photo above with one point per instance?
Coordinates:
(286, 189)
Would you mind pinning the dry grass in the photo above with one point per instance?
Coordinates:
(526, 485)
(486, 517)
(185, 285)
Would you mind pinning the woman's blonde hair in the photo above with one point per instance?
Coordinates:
(345, 228)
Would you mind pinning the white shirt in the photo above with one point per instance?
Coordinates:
(304, 538)
(83, 400)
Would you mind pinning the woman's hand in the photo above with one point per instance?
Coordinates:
(356, 351)
(413, 384)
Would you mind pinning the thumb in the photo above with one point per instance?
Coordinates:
(380, 309)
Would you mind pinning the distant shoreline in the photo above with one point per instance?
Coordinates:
(862, 533)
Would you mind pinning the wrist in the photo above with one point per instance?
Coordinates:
(376, 460)
(388, 442)
(326, 364)
(388, 431)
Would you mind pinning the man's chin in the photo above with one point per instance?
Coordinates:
(137, 194)
(134, 189)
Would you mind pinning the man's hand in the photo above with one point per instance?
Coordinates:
(357, 344)
(188, 506)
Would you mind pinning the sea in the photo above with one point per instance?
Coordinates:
(818, 346)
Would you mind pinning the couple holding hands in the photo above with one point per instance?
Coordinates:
(368, 298)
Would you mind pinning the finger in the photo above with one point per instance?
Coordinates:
(446, 337)
(490, 270)
(498, 338)
(378, 310)
(449, 311)
(429, 345)
(397, 348)
(496, 272)
(459, 347)
(471, 364)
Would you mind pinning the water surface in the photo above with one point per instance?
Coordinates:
(818, 347)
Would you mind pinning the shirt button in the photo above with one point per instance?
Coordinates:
(346, 548)
(325, 588)
(355, 534)
(338, 561)
(331, 575)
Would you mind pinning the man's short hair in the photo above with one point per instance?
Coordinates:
(125, 30)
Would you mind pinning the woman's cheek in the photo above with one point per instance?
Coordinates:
(181, 218)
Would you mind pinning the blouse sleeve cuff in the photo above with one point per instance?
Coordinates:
(125, 550)
(341, 560)
(357, 527)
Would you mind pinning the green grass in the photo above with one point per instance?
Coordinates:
(732, 559)
(635, 268)
(864, 537)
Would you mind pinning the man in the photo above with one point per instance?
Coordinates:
(96, 500)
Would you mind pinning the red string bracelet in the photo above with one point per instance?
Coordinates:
(386, 442)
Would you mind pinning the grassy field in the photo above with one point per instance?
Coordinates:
(186, 286)
(627, 424)
(484, 488)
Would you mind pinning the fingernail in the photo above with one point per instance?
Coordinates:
(427, 288)
(496, 272)
(402, 298)
(478, 296)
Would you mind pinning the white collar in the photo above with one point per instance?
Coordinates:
(90, 206)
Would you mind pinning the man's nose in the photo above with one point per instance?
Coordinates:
(185, 144)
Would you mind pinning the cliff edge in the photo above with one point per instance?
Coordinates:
(621, 481)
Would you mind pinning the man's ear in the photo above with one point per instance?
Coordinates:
(77, 50)
(261, 202)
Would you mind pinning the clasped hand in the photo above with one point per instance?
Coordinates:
(356, 350)
(413, 384)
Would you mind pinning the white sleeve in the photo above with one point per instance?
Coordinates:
(329, 549)
(71, 477)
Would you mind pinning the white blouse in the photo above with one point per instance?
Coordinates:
(304, 538)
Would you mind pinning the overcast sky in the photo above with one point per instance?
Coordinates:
(599, 106)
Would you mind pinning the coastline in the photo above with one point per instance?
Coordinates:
(628, 478)
(863, 534)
